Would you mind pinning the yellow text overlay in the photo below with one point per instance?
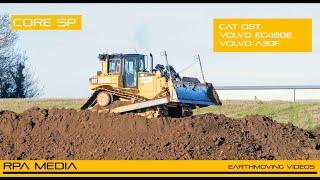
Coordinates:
(46, 22)
(262, 35)
(160, 168)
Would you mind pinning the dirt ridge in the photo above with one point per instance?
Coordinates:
(69, 134)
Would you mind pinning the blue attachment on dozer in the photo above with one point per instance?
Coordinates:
(191, 91)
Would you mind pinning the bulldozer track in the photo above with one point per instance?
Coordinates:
(152, 112)
(123, 94)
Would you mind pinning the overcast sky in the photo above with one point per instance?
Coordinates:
(64, 60)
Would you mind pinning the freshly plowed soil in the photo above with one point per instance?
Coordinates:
(70, 134)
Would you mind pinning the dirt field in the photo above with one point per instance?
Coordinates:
(70, 134)
(301, 114)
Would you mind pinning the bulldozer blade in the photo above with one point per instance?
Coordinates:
(202, 94)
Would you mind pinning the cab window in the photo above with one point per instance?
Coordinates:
(114, 66)
(142, 66)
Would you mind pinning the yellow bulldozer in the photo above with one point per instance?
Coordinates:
(130, 83)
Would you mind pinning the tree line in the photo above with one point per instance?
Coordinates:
(16, 78)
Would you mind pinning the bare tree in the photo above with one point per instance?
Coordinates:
(16, 79)
(7, 36)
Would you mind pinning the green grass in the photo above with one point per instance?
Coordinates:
(302, 114)
(20, 105)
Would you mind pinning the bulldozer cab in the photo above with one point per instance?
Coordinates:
(128, 66)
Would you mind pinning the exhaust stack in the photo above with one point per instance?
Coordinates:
(151, 62)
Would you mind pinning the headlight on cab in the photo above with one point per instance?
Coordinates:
(93, 80)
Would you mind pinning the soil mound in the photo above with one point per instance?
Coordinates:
(70, 134)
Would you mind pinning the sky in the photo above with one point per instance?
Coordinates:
(64, 60)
